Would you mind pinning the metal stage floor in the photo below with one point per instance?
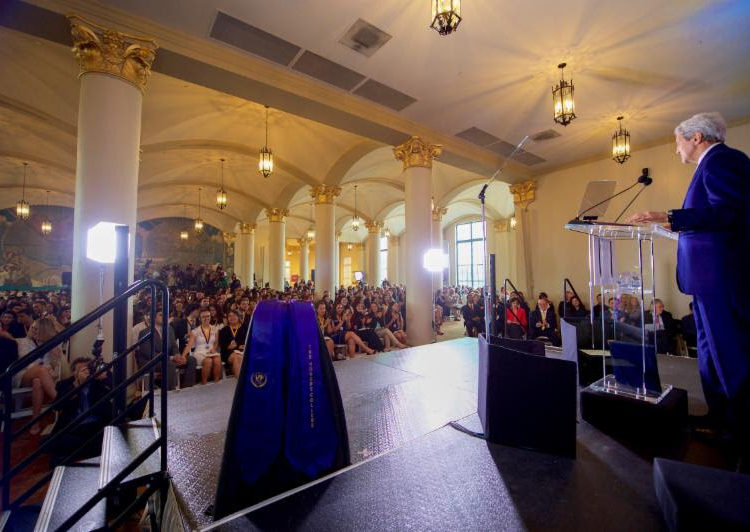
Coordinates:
(412, 471)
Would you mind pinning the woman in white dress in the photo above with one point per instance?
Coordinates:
(205, 340)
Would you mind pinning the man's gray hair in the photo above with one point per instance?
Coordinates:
(711, 125)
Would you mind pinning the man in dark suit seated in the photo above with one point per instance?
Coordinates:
(664, 326)
(689, 333)
(473, 315)
(598, 307)
(174, 362)
(713, 253)
(542, 322)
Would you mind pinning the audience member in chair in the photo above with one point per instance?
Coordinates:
(232, 342)
(689, 331)
(664, 324)
(205, 340)
(473, 316)
(86, 395)
(542, 322)
(394, 320)
(577, 311)
(598, 307)
(175, 361)
(517, 320)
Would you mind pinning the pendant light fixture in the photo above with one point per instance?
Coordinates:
(620, 143)
(446, 16)
(46, 222)
(349, 246)
(184, 234)
(387, 233)
(355, 220)
(562, 99)
(22, 207)
(221, 194)
(198, 225)
(265, 157)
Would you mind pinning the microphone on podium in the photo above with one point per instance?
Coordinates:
(643, 179)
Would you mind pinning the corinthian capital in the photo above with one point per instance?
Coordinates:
(247, 228)
(100, 49)
(523, 193)
(276, 214)
(325, 193)
(374, 227)
(416, 152)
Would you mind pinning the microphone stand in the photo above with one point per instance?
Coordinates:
(578, 216)
(645, 184)
(488, 321)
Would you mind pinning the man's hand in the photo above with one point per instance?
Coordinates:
(647, 217)
(179, 360)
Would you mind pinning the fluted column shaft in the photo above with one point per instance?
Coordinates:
(304, 259)
(373, 274)
(393, 252)
(276, 244)
(325, 236)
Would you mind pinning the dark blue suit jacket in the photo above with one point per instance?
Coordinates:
(714, 225)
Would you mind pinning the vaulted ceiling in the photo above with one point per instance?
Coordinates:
(478, 92)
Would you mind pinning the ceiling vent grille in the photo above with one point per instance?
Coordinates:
(254, 40)
(491, 142)
(364, 38)
(548, 134)
(384, 95)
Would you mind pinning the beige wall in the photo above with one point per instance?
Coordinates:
(557, 253)
(356, 256)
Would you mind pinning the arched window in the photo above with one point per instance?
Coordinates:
(470, 254)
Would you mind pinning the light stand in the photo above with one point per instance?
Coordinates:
(434, 261)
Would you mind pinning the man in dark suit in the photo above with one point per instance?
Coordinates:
(689, 332)
(664, 324)
(712, 264)
(542, 322)
(175, 360)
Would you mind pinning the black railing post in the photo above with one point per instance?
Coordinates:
(120, 315)
(7, 436)
(164, 377)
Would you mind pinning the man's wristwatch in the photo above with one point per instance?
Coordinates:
(670, 217)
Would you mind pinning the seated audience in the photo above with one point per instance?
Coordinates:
(542, 322)
(204, 339)
(517, 321)
(232, 342)
(689, 331)
(473, 314)
(175, 361)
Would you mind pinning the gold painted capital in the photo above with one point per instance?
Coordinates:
(325, 193)
(502, 226)
(523, 193)
(303, 241)
(374, 227)
(416, 152)
(438, 212)
(247, 228)
(229, 238)
(276, 214)
(100, 49)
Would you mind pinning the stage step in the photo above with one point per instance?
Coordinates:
(122, 444)
(70, 488)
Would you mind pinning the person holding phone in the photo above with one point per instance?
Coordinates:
(204, 339)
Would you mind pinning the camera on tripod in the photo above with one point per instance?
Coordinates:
(97, 364)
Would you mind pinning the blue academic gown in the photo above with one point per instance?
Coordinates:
(712, 266)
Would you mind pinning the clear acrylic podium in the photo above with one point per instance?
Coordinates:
(626, 323)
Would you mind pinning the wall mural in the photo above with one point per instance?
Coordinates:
(30, 259)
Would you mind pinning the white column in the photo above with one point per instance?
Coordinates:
(373, 275)
(523, 195)
(304, 259)
(243, 254)
(451, 245)
(417, 157)
(504, 258)
(401, 260)
(325, 236)
(437, 241)
(393, 253)
(109, 136)
(337, 261)
(276, 244)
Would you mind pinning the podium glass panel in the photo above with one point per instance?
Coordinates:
(624, 326)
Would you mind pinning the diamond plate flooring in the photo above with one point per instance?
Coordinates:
(389, 399)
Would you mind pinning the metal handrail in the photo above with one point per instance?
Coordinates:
(6, 383)
(509, 309)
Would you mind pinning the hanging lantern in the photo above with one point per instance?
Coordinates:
(620, 143)
(355, 220)
(221, 194)
(446, 16)
(513, 222)
(562, 99)
(198, 224)
(349, 247)
(387, 233)
(265, 157)
(46, 222)
(22, 206)
(310, 234)
(184, 235)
